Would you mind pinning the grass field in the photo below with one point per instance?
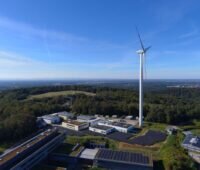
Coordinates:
(59, 93)
(96, 139)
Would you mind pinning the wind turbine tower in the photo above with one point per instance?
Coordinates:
(141, 53)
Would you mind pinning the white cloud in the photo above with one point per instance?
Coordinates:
(29, 30)
(11, 59)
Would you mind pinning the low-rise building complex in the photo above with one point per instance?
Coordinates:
(51, 119)
(89, 119)
(192, 143)
(64, 115)
(75, 125)
(121, 127)
(101, 129)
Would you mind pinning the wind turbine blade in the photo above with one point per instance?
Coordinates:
(146, 49)
(140, 39)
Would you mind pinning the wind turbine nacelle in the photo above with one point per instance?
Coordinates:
(140, 51)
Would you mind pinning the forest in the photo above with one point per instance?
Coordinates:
(170, 105)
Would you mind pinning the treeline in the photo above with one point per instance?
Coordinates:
(172, 106)
(18, 115)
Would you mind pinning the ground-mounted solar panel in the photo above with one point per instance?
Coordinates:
(150, 138)
(119, 136)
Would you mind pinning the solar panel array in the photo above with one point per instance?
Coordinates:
(122, 156)
(119, 136)
(150, 138)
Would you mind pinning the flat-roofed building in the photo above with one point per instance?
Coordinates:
(101, 129)
(89, 153)
(51, 119)
(64, 115)
(89, 119)
(122, 160)
(32, 151)
(192, 143)
(75, 125)
(119, 126)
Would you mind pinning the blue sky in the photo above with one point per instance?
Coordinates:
(70, 39)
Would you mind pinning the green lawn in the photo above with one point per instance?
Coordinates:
(98, 139)
(77, 151)
(59, 93)
(173, 155)
(196, 131)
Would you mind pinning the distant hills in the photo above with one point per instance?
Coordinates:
(122, 83)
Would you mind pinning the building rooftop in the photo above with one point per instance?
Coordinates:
(24, 146)
(86, 117)
(102, 127)
(192, 140)
(74, 122)
(124, 157)
(124, 125)
(50, 117)
(89, 153)
(118, 124)
(64, 113)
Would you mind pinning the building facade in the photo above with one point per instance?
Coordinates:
(75, 125)
(101, 129)
(51, 119)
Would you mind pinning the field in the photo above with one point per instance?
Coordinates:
(59, 93)
(96, 139)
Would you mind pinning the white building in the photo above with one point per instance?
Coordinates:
(89, 119)
(171, 130)
(129, 117)
(64, 115)
(51, 119)
(192, 143)
(101, 129)
(75, 125)
(89, 154)
(120, 127)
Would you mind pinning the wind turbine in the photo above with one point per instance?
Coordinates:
(141, 53)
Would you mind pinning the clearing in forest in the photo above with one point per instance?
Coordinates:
(60, 93)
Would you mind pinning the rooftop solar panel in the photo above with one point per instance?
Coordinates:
(122, 156)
